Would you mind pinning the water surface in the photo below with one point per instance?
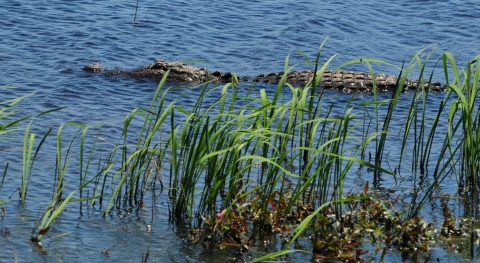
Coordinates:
(45, 44)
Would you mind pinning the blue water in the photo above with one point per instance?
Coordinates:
(45, 44)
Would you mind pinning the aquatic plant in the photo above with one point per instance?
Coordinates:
(58, 203)
(53, 210)
(458, 141)
(27, 159)
(9, 122)
(259, 143)
(134, 174)
(465, 87)
(258, 165)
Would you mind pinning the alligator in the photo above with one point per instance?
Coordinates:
(342, 80)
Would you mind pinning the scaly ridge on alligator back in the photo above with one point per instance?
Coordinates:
(348, 80)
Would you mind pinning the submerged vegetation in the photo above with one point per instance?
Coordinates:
(259, 166)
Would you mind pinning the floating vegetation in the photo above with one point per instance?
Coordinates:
(367, 218)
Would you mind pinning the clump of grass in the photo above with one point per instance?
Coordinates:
(58, 203)
(274, 162)
(465, 87)
(243, 161)
(456, 154)
(27, 159)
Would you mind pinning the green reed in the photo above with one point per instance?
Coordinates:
(53, 210)
(382, 126)
(84, 166)
(27, 159)
(58, 203)
(278, 146)
(460, 140)
(9, 123)
(457, 154)
(465, 87)
(135, 170)
(275, 152)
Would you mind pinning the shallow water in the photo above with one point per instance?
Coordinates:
(45, 44)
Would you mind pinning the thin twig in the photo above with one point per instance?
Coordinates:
(136, 9)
